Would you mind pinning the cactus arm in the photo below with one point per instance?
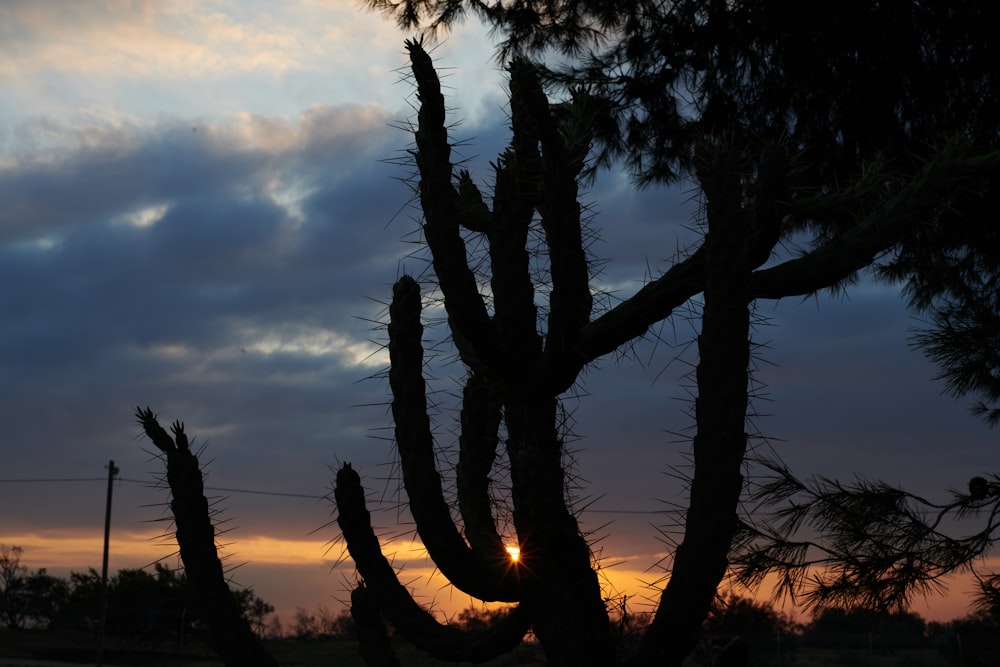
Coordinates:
(443, 208)
(562, 158)
(230, 635)
(631, 318)
(720, 441)
(485, 576)
(480, 420)
(879, 231)
(374, 643)
(474, 214)
(414, 623)
(516, 317)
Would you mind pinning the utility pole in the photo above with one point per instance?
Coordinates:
(112, 471)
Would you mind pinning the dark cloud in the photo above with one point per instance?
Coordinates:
(221, 308)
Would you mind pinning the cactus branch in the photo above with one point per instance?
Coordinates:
(229, 633)
(481, 415)
(570, 302)
(485, 576)
(631, 318)
(720, 409)
(374, 643)
(881, 230)
(414, 623)
(468, 319)
(513, 292)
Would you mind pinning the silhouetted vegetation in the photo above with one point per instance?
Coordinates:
(322, 623)
(819, 150)
(838, 628)
(146, 617)
(970, 641)
(145, 608)
(228, 630)
(30, 599)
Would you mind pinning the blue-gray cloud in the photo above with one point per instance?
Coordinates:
(222, 283)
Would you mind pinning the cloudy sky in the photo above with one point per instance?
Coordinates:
(202, 212)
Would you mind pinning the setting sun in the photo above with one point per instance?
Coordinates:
(514, 552)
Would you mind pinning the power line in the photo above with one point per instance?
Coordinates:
(260, 492)
(149, 483)
(265, 493)
(56, 479)
(253, 491)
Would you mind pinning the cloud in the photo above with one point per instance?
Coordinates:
(171, 38)
(191, 58)
(106, 171)
(212, 272)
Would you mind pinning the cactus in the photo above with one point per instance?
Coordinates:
(515, 377)
(229, 634)
(517, 374)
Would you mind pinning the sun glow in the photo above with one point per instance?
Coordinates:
(514, 552)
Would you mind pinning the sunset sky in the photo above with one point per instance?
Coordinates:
(201, 211)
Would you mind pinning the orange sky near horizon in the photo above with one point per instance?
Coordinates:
(307, 573)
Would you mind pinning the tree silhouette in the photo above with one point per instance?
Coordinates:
(13, 605)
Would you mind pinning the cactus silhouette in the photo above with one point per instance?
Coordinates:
(229, 634)
(516, 374)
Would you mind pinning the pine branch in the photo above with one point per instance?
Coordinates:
(872, 545)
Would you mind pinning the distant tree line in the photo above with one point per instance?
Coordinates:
(322, 623)
(765, 634)
(142, 605)
(153, 607)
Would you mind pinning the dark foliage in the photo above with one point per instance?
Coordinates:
(823, 76)
(143, 607)
(877, 546)
(147, 608)
(836, 628)
(322, 623)
(970, 641)
(735, 615)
